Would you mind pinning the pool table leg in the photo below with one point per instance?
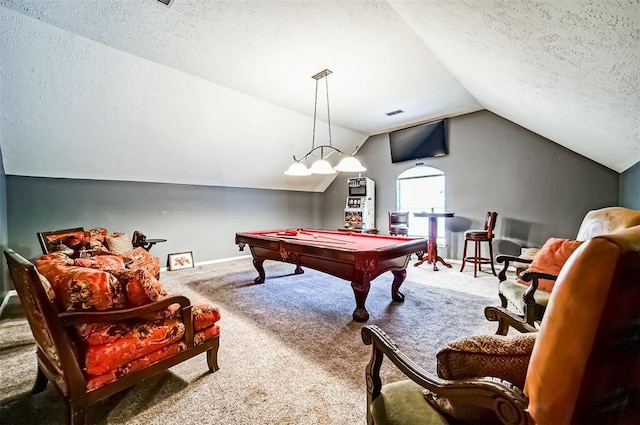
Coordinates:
(398, 278)
(257, 263)
(361, 290)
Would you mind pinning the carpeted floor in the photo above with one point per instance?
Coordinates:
(289, 351)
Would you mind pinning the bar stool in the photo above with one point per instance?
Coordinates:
(477, 236)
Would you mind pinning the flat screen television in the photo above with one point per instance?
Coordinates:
(421, 141)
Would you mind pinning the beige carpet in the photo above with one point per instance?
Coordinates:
(289, 351)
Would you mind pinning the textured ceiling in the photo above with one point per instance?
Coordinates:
(219, 92)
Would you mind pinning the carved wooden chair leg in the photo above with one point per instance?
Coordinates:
(212, 359)
(77, 414)
(477, 265)
(464, 254)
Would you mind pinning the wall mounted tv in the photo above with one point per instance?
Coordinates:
(421, 141)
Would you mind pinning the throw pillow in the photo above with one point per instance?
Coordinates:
(81, 288)
(550, 259)
(119, 243)
(504, 357)
(140, 287)
(97, 237)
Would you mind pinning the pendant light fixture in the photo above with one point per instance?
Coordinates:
(348, 164)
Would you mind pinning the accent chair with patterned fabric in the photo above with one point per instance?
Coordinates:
(98, 241)
(100, 328)
(524, 299)
(581, 367)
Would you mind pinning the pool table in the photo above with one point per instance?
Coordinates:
(357, 257)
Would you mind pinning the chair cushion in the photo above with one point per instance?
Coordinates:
(550, 259)
(477, 235)
(403, 403)
(204, 316)
(95, 382)
(499, 356)
(136, 341)
(504, 357)
(513, 291)
(107, 263)
(205, 334)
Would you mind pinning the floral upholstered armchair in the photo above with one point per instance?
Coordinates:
(78, 242)
(100, 327)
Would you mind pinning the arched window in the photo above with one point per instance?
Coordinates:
(420, 189)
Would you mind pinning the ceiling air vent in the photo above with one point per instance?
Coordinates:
(396, 112)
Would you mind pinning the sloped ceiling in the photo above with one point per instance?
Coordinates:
(220, 92)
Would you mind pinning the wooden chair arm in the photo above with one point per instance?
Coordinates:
(504, 398)
(506, 259)
(529, 276)
(69, 318)
(529, 295)
(507, 318)
(534, 278)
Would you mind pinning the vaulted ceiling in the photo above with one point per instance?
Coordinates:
(220, 92)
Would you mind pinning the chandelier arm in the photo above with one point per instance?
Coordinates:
(321, 147)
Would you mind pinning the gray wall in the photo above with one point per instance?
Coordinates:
(538, 188)
(5, 283)
(192, 218)
(630, 188)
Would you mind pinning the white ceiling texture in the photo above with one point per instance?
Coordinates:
(220, 92)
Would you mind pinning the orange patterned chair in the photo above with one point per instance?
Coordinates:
(100, 328)
(97, 242)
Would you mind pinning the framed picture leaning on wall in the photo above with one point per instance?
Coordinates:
(181, 260)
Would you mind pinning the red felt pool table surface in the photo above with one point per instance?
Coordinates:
(356, 257)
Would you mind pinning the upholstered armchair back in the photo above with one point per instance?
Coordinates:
(607, 220)
(585, 361)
